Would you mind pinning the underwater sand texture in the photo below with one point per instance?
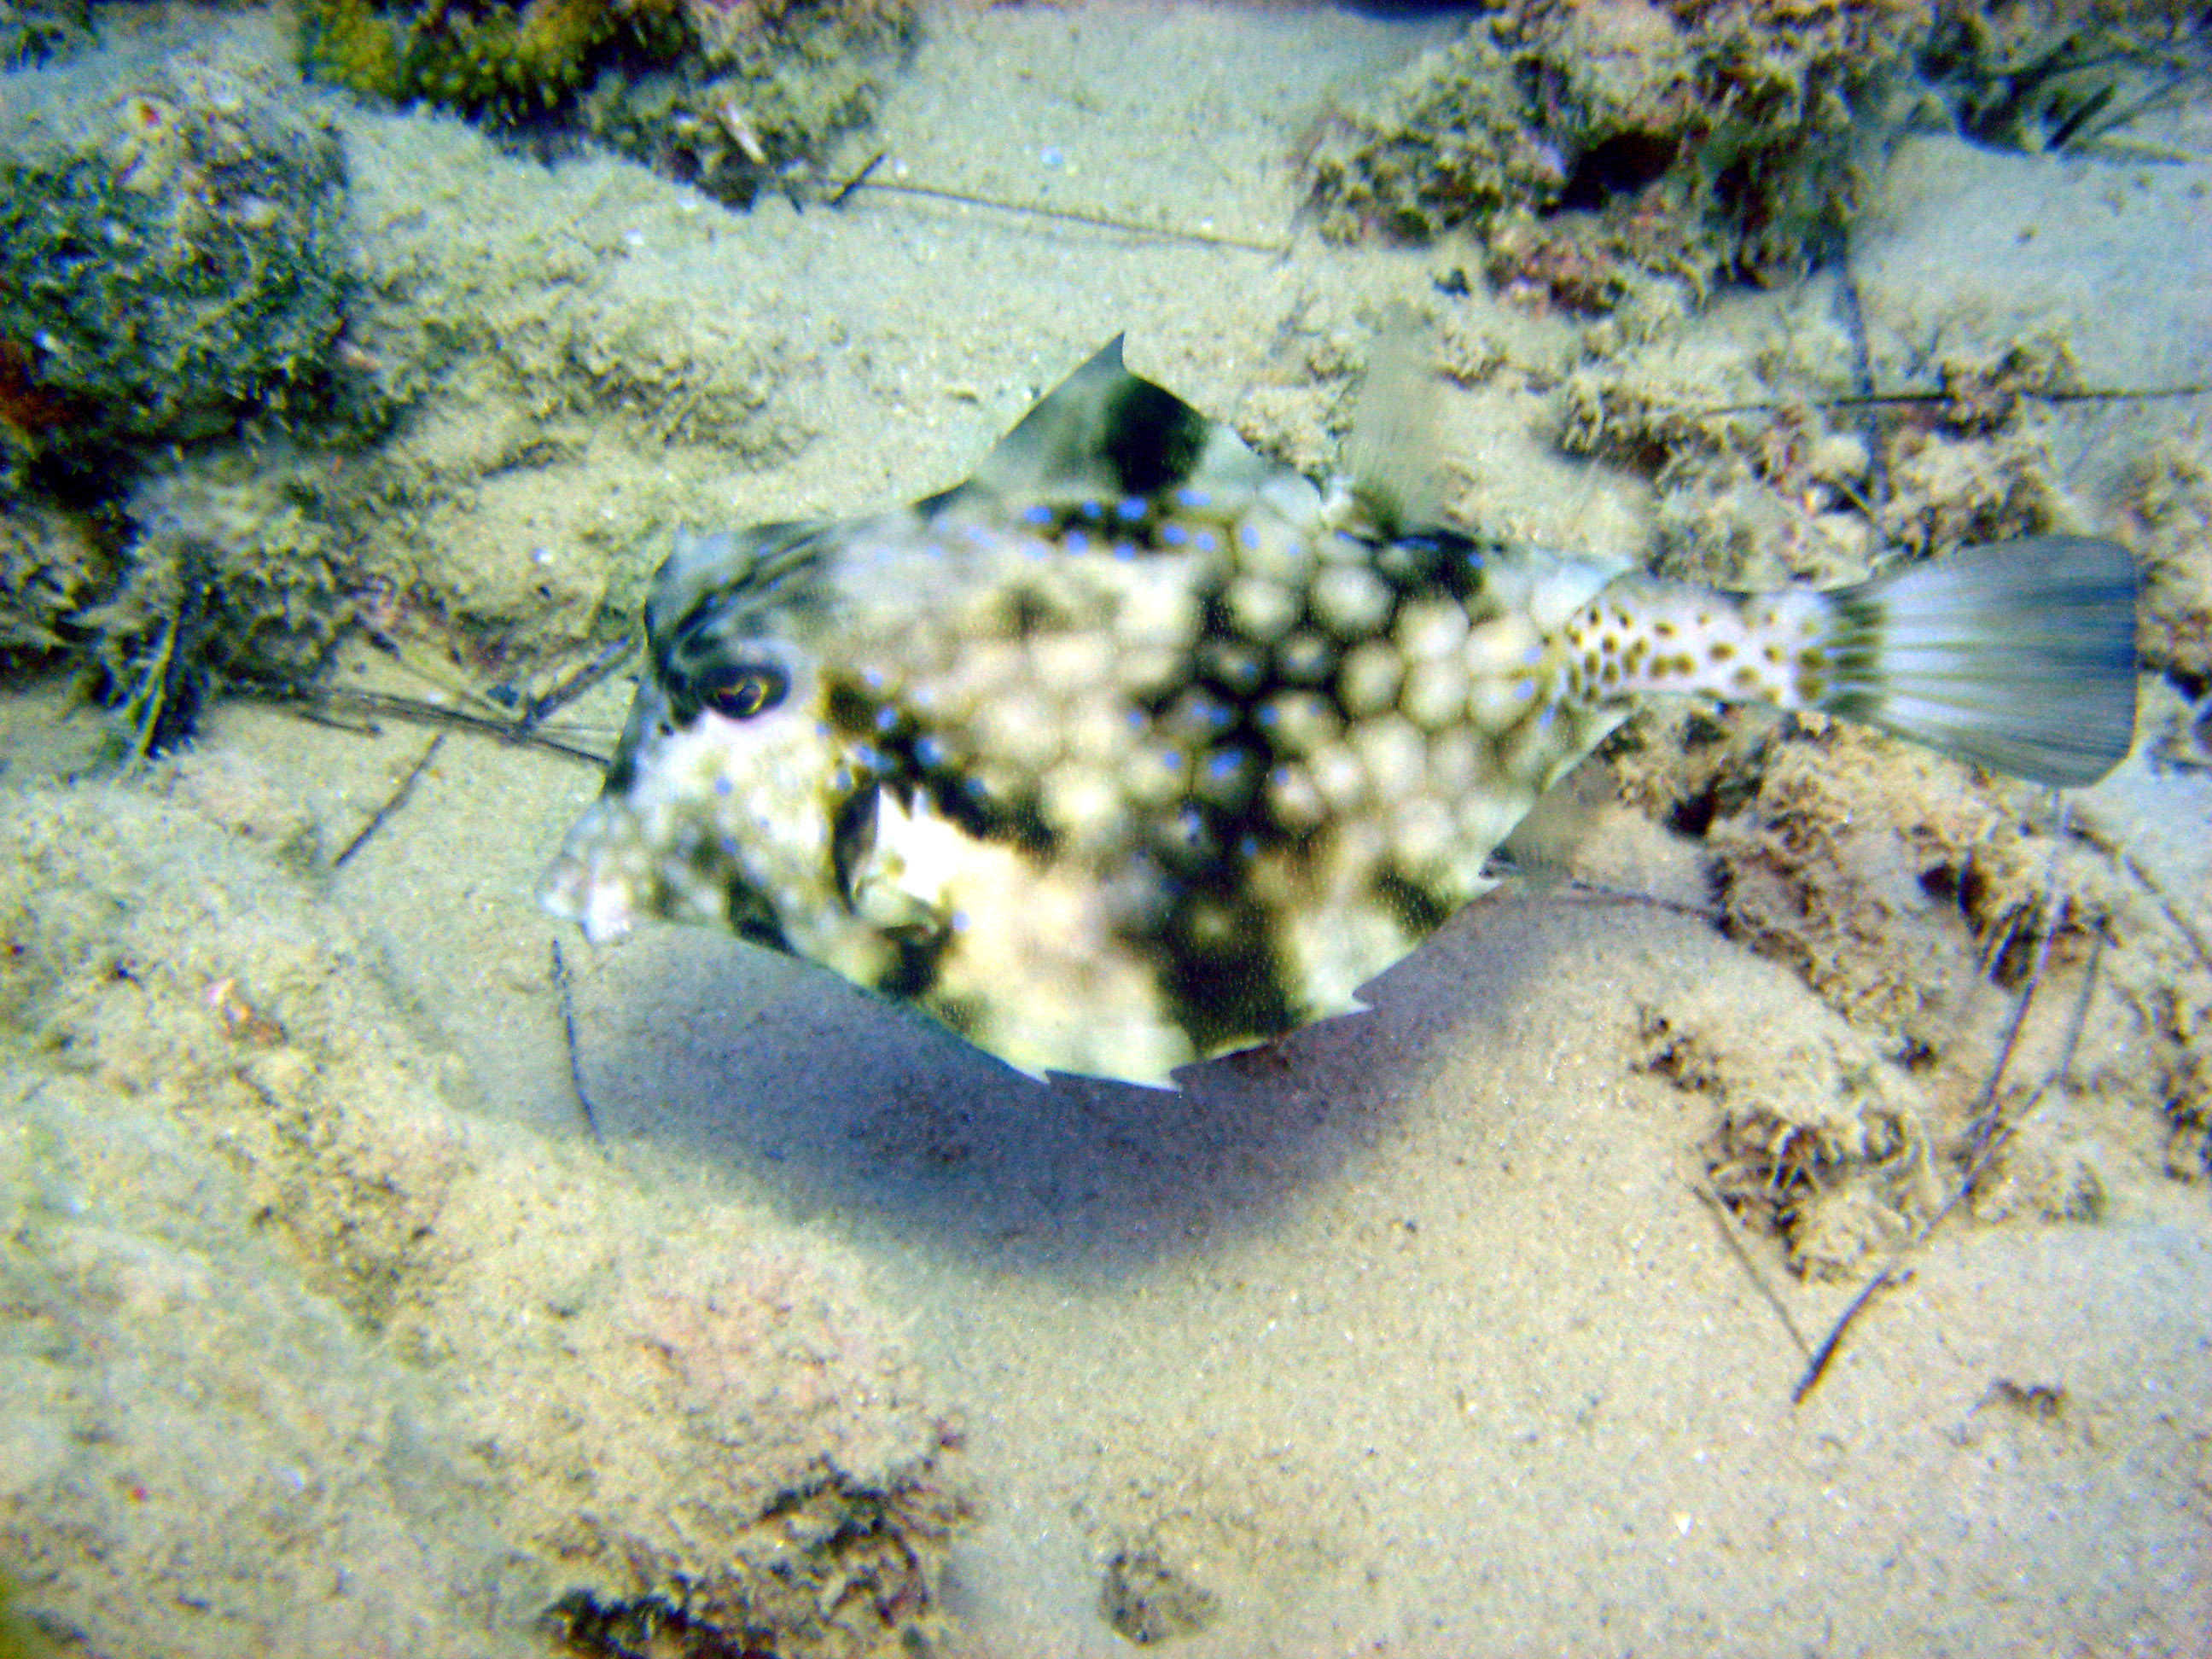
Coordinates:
(1409, 1334)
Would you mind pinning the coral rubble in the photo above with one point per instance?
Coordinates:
(1761, 482)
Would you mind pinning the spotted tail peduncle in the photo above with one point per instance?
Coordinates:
(2019, 657)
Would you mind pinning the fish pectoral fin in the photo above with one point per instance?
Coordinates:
(893, 884)
(894, 910)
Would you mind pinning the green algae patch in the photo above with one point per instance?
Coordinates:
(730, 95)
(502, 63)
(171, 256)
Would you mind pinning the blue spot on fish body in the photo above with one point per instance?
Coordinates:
(1190, 497)
(1038, 514)
(1174, 535)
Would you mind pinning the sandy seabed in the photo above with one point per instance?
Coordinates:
(329, 1331)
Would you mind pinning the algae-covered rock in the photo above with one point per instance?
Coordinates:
(2167, 498)
(53, 566)
(42, 31)
(213, 571)
(752, 1458)
(506, 64)
(1920, 899)
(274, 603)
(766, 90)
(171, 259)
(727, 95)
(1447, 142)
(1589, 143)
(1758, 483)
(1951, 919)
(1711, 140)
(227, 580)
(1891, 878)
(1763, 480)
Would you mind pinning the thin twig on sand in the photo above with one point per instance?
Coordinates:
(392, 802)
(568, 1027)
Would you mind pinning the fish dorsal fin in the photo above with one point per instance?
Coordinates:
(1105, 433)
(1391, 457)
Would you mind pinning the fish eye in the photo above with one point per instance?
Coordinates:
(750, 689)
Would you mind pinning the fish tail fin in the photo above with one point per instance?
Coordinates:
(2019, 656)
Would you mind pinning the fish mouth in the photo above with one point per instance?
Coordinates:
(588, 883)
(600, 907)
